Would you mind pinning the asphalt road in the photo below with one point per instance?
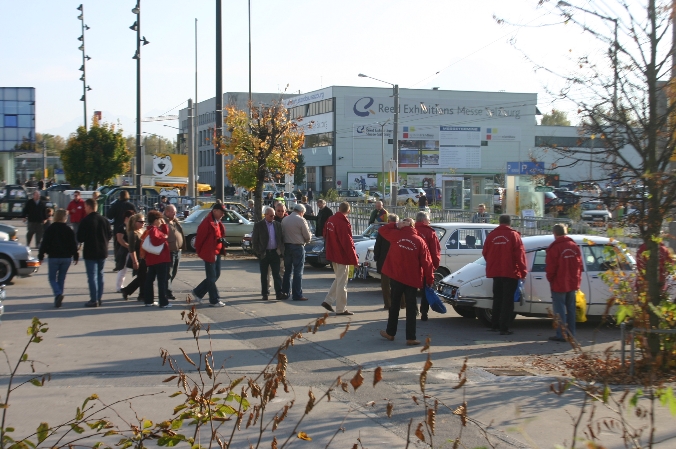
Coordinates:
(113, 351)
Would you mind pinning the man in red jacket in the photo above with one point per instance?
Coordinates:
(564, 273)
(76, 210)
(210, 244)
(422, 227)
(340, 251)
(409, 266)
(506, 264)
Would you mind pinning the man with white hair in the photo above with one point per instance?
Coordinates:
(296, 234)
(268, 246)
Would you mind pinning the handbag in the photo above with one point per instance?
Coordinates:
(434, 301)
(580, 307)
(519, 294)
(148, 247)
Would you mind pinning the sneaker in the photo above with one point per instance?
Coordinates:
(217, 304)
(168, 306)
(153, 304)
(58, 300)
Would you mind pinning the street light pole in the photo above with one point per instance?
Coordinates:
(139, 149)
(395, 136)
(382, 136)
(85, 58)
(219, 103)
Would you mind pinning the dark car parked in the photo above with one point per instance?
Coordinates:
(59, 188)
(315, 253)
(12, 199)
(433, 195)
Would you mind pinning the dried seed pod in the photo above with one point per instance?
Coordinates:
(377, 375)
(357, 380)
(430, 419)
(419, 433)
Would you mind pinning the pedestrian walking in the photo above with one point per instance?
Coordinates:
(76, 211)
(268, 246)
(60, 245)
(296, 235)
(210, 245)
(158, 264)
(121, 236)
(563, 265)
(116, 213)
(135, 230)
(422, 227)
(378, 215)
(34, 215)
(322, 215)
(481, 216)
(380, 250)
(177, 244)
(422, 200)
(94, 233)
(505, 264)
(341, 253)
(409, 267)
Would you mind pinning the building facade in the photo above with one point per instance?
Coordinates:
(17, 127)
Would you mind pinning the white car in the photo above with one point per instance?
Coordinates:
(409, 195)
(471, 293)
(461, 243)
(596, 212)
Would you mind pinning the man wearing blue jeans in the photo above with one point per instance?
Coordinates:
(210, 245)
(564, 273)
(94, 233)
(296, 234)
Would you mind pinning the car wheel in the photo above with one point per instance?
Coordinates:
(7, 270)
(486, 316)
(191, 242)
(439, 275)
(465, 312)
(318, 265)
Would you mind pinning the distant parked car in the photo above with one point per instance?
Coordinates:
(236, 226)
(12, 199)
(315, 253)
(409, 195)
(355, 196)
(16, 259)
(433, 195)
(595, 212)
(59, 188)
(498, 198)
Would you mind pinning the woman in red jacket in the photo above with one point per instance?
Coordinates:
(408, 265)
(158, 264)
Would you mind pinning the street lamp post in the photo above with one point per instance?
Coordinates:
(382, 140)
(220, 181)
(139, 151)
(395, 136)
(83, 69)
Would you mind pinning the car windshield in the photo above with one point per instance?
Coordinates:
(480, 261)
(372, 231)
(593, 206)
(197, 216)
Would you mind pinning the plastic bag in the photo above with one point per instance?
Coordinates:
(580, 307)
(519, 293)
(434, 301)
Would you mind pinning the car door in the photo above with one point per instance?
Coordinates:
(595, 264)
(538, 290)
(462, 247)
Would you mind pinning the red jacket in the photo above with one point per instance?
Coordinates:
(158, 236)
(430, 237)
(504, 254)
(408, 261)
(642, 261)
(207, 242)
(76, 210)
(564, 265)
(338, 240)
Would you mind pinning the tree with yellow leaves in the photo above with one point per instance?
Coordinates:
(262, 143)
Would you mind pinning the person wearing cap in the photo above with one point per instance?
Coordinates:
(210, 245)
(76, 210)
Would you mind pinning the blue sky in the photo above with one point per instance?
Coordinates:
(305, 44)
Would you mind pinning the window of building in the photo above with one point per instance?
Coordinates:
(318, 140)
(11, 121)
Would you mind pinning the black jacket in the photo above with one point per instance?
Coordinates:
(322, 215)
(94, 233)
(260, 236)
(58, 241)
(34, 213)
(117, 210)
(380, 250)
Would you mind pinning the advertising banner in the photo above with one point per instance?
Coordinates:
(317, 124)
(363, 181)
(501, 134)
(175, 165)
(460, 146)
(308, 98)
(371, 131)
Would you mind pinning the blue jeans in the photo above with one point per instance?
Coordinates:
(58, 267)
(95, 278)
(564, 307)
(208, 285)
(294, 261)
(161, 271)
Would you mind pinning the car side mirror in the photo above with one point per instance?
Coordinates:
(240, 221)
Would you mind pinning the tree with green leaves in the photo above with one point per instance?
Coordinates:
(299, 171)
(260, 143)
(95, 156)
(555, 118)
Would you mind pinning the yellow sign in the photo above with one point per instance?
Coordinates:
(175, 165)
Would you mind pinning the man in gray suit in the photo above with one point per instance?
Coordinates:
(268, 245)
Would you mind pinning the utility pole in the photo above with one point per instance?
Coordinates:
(219, 103)
(191, 151)
(395, 146)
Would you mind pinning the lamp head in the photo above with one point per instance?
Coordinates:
(136, 10)
(81, 47)
(89, 88)
(87, 58)
(80, 38)
(82, 68)
(136, 56)
(134, 27)
(563, 4)
(82, 78)
(80, 17)
(86, 27)
(79, 8)
(83, 98)
(145, 41)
